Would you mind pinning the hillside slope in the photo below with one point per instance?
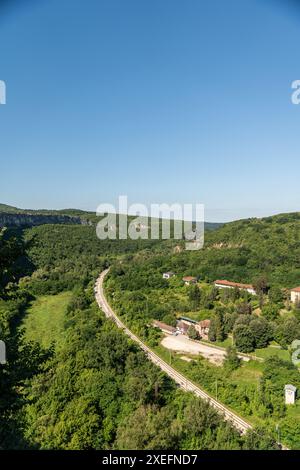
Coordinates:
(244, 250)
(15, 217)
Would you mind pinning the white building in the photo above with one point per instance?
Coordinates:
(295, 295)
(168, 275)
(290, 394)
(189, 280)
(235, 285)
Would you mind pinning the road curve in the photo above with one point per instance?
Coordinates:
(184, 383)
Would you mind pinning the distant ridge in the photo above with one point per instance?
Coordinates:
(30, 217)
(6, 208)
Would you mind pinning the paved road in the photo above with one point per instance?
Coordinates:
(184, 383)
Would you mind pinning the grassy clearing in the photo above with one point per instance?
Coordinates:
(248, 374)
(45, 318)
(272, 351)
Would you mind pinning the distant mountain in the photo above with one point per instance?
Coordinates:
(16, 210)
(15, 217)
(9, 209)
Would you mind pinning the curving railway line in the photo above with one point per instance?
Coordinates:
(182, 381)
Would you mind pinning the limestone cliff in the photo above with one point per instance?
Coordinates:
(30, 219)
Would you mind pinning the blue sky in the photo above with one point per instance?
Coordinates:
(161, 100)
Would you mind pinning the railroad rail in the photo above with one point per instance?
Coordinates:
(239, 423)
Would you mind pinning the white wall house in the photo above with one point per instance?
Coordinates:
(168, 275)
(290, 394)
(189, 280)
(295, 295)
(235, 285)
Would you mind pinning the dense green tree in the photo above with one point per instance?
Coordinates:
(232, 361)
(229, 321)
(193, 333)
(287, 331)
(244, 339)
(194, 296)
(271, 311)
(276, 296)
(259, 439)
(243, 308)
(261, 332)
(261, 285)
(170, 319)
(216, 330)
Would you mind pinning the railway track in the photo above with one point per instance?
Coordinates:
(239, 423)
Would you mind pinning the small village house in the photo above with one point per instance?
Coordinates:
(182, 327)
(295, 295)
(168, 275)
(203, 328)
(189, 280)
(235, 285)
(184, 323)
(164, 327)
(290, 394)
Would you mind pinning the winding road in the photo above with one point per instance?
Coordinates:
(182, 381)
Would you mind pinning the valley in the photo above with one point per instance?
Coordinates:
(79, 359)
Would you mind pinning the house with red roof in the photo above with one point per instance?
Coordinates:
(203, 328)
(234, 285)
(189, 280)
(295, 295)
(164, 327)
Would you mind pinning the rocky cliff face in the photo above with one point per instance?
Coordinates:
(29, 220)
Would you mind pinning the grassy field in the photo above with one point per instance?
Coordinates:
(45, 317)
(272, 351)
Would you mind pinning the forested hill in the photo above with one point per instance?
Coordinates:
(14, 217)
(246, 249)
(30, 220)
(87, 387)
(11, 216)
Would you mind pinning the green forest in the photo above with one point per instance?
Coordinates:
(265, 253)
(74, 381)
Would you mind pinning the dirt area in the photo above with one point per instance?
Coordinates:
(183, 344)
(185, 358)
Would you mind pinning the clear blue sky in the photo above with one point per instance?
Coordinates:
(161, 100)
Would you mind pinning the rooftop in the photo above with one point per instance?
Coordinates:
(290, 387)
(296, 289)
(204, 323)
(188, 319)
(234, 284)
(164, 326)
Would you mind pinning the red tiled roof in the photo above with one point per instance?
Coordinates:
(189, 278)
(204, 323)
(296, 289)
(182, 325)
(234, 284)
(164, 326)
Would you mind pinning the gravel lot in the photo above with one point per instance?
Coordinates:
(182, 343)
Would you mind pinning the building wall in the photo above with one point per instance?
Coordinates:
(295, 296)
(289, 397)
(220, 286)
